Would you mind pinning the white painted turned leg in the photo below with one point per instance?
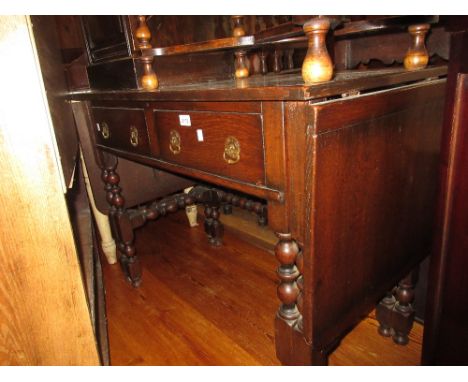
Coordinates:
(102, 221)
(191, 211)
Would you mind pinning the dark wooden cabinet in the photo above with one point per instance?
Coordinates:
(446, 326)
(350, 183)
(347, 168)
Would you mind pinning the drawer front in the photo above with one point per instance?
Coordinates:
(121, 128)
(227, 144)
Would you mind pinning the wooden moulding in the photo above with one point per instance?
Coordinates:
(204, 46)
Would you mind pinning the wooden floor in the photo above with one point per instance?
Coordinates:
(200, 305)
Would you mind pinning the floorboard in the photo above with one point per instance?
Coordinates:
(200, 305)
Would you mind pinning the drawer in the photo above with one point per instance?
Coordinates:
(221, 143)
(121, 128)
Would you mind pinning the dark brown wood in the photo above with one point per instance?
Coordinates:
(403, 317)
(123, 128)
(355, 153)
(289, 87)
(141, 183)
(213, 227)
(319, 157)
(50, 60)
(114, 74)
(383, 313)
(204, 46)
(395, 311)
(446, 332)
(106, 37)
(120, 222)
(222, 181)
(277, 60)
(382, 24)
(347, 168)
(204, 143)
(386, 48)
(229, 200)
(90, 264)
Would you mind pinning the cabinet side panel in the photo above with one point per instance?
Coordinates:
(375, 190)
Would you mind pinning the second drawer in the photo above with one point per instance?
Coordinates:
(227, 144)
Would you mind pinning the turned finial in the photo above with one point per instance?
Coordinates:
(239, 28)
(143, 34)
(417, 56)
(242, 70)
(317, 65)
(148, 80)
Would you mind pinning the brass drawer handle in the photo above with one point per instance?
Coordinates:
(105, 130)
(174, 142)
(231, 150)
(133, 136)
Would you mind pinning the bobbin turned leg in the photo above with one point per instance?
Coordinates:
(213, 227)
(291, 346)
(120, 222)
(403, 312)
(384, 314)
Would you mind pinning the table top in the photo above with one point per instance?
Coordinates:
(271, 87)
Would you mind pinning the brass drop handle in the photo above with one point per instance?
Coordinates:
(133, 136)
(231, 150)
(105, 130)
(174, 142)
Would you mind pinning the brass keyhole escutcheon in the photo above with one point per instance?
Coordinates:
(231, 150)
(105, 130)
(133, 136)
(174, 142)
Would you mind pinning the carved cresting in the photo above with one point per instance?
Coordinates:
(149, 80)
(289, 272)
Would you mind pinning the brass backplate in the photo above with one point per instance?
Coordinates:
(231, 150)
(174, 142)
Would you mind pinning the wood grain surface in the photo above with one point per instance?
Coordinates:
(201, 305)
(44, 317)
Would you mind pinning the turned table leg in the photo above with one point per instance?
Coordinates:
(291, 346)
(121, 224)
(395, 311)
(213, 227)
(384, 313)
(102, 221)
(403, 317)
